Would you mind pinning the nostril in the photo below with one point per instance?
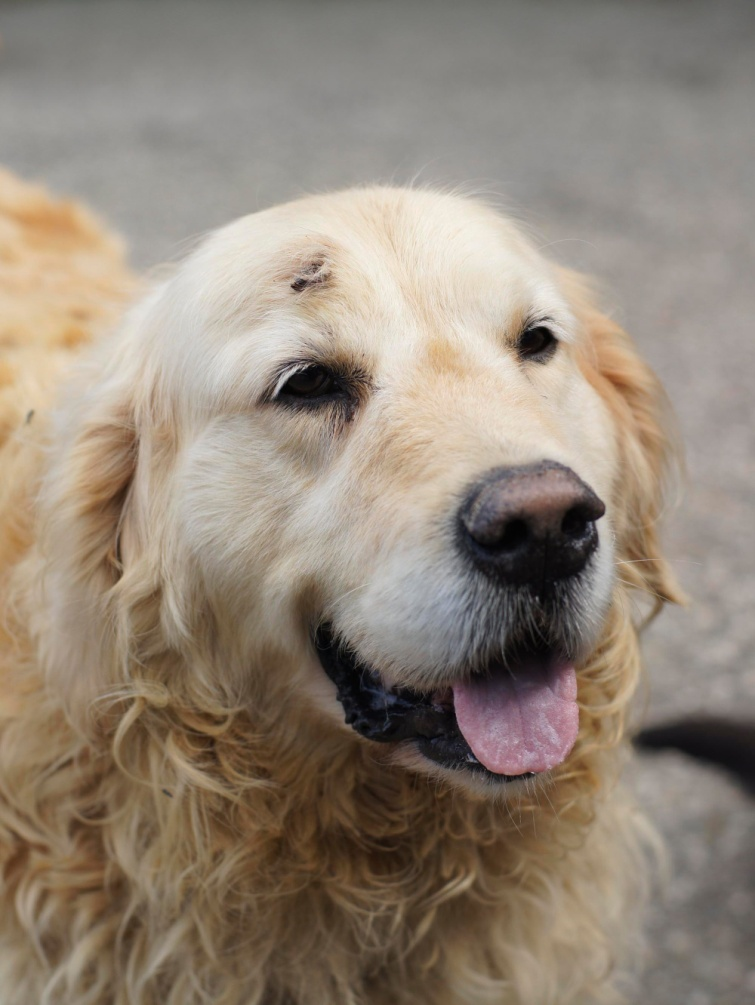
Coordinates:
(575, 521)
(515, 533)
(533, 524)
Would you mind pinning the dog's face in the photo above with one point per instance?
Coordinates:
(395, 474)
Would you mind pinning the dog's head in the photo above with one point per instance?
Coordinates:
(372, 455)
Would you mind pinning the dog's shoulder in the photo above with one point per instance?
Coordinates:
(63, 279)
(63, 273)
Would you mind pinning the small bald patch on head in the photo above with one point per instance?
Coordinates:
(312, 272)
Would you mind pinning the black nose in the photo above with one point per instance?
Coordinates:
(531, 525)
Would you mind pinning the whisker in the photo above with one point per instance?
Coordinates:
(544, 790)
(565, 240)
(349, 592)
(645, 589)
(638, 561)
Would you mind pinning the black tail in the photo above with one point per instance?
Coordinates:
(718, 741)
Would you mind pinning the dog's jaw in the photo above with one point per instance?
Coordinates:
(505, 722)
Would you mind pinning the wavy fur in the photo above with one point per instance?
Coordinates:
(174, 829)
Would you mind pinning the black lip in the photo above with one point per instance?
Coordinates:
(397, 715)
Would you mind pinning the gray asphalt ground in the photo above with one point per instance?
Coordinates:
(624, 133)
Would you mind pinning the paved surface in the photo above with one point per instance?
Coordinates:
(623, 132)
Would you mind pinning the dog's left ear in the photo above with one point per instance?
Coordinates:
(649, 452)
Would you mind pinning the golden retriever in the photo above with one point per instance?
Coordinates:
(316, 582)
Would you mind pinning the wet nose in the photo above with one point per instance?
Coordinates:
(530, 525)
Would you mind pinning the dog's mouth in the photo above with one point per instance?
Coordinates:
(511, 718)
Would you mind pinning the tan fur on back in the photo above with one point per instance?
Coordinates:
(177, 828)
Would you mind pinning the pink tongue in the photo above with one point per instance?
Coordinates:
(522, 721)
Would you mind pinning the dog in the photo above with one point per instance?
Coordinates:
(317, 560)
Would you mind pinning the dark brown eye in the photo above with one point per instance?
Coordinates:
(312, 382)
(537, 343)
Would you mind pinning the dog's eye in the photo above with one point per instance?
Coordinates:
(537, 343)
(313, 382)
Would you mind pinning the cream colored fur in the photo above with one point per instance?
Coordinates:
(184, 816)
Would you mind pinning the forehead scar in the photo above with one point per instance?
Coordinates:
(315, 272)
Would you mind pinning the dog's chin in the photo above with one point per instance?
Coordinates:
(504, 720)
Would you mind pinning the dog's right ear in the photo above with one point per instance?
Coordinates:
(95, 485)
(91, 527)
(82, 509)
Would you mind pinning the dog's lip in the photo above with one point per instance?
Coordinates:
(398, 715)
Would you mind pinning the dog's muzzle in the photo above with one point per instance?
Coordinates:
(531, 532)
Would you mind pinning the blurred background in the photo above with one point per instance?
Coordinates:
(622, 133)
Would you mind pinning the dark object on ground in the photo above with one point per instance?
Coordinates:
(723, 742)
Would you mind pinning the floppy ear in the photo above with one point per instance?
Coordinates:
(82, 506)
(101, 464)
(647, 444)
(115, 605)
(98, 607)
